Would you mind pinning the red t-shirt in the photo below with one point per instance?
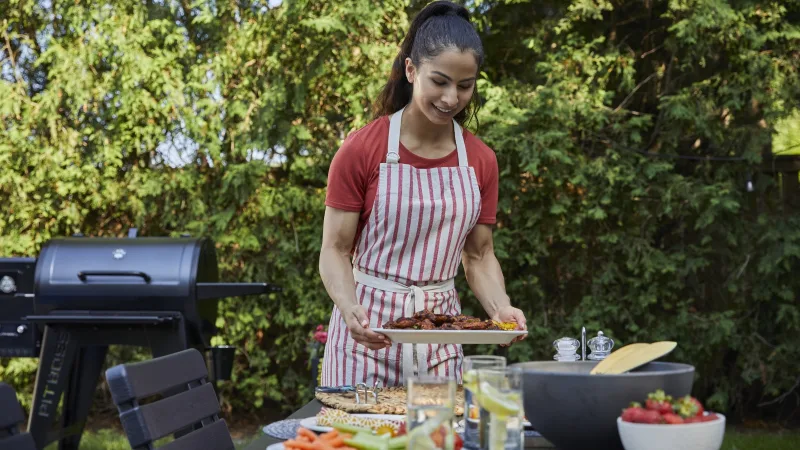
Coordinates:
(353, 176)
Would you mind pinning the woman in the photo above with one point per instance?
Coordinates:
(409, 195)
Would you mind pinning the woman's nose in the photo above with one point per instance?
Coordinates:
(450, 98)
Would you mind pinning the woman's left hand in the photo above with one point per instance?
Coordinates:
(511, 314)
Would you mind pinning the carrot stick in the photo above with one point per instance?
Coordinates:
(307, 433)
(330, 434)
(295, 444)
(322, 445)
(336, 442)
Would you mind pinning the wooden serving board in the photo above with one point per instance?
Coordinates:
(611, 360)
(639, 356)
(391, 400)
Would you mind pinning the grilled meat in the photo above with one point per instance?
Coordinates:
(401, 324)
(441, 319)
(425, 314)
(479, 325)
(463, 318)
(427, 325)
(427, 320)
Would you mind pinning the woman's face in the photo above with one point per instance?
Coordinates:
(443, 86)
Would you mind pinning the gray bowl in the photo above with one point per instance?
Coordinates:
(575, 410)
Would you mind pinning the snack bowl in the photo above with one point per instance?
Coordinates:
(576, 410)
(695, 436)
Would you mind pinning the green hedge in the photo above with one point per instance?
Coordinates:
(625, 132)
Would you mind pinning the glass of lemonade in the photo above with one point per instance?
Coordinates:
(476, 429)
(431, 410)
(500, 394)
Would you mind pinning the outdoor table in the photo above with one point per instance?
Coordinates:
(309, 410)
(314, 406)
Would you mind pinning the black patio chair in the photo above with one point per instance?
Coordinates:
(11, 416)
(191, 414)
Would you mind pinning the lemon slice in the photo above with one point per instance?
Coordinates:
(497, 402)
(470, 379)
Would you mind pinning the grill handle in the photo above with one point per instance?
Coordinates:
(84, 274)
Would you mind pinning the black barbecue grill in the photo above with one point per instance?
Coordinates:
(89, 293)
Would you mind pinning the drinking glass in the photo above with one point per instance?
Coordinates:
(476, 419)
(500, 393)
(431, 405)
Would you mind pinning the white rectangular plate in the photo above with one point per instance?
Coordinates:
(311, 422)
(450, 336)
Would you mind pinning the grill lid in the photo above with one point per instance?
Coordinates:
(149, 273)
(93, 267)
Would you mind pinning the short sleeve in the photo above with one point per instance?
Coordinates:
(489, 186)
(347, 176)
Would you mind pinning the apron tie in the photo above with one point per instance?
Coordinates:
(415, 303)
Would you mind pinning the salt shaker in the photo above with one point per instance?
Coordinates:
(567, 349)
(601, 346)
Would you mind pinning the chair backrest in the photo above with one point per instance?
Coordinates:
(11, 416)
(192, 412)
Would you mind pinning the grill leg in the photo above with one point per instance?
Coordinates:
(79, 393)
(166, 341)
(55, 365)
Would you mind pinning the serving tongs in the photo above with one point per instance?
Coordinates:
(370, 395)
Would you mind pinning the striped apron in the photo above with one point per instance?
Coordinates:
(405, 261)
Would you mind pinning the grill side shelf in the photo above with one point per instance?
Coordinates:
(208, 291)
(100, 319)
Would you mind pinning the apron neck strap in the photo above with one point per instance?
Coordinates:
(461, 148)
(393, 150)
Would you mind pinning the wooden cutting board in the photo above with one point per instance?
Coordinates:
(636, 357)
(611, 360)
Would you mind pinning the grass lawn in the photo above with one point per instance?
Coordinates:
(110, 439)
(761, 440)
(734, 440)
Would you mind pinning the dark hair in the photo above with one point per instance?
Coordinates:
(439, 26)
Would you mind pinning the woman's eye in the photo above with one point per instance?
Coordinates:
(466, 87)
(439, 83)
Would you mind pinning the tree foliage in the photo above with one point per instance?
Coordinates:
(625, 132)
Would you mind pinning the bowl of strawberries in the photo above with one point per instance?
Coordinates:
(666, 423)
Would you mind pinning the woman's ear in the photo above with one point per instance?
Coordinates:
(411, 71)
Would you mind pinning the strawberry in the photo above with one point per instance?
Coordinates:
(709, 418)
(693, 419)
(651, 416)
(688, 406)
(659, 401)
(672, 418)
(633, 414)
(699, 406)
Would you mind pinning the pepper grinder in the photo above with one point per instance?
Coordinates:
(601, 346)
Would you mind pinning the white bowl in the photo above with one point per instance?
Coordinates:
(694, 436)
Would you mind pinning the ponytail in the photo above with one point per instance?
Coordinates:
(439, 26)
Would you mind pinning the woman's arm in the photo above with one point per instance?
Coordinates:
(338, 231)
(485, 277)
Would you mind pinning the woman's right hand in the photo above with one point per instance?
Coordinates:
(355, 317)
